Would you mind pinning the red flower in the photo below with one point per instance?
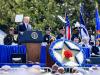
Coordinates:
(68, 54)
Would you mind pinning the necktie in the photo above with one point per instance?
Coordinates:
(27, 27)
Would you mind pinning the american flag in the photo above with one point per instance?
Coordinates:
(68, 29)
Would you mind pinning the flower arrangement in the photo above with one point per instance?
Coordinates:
(68, 54)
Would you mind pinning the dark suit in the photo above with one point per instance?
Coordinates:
(47, 38)
(59, 36)
(22, 28)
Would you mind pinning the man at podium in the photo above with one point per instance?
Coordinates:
(24, 26)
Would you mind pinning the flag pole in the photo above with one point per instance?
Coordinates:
(65, 25)
(79, 28)
(96, 25)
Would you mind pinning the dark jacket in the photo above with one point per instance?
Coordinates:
(95, 50)
(47, 38)
(22, 28)
(9, 39)
(59, 36)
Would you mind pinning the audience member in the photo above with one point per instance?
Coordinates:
(61, 70)
(55, 68)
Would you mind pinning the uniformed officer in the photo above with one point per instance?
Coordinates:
(75, 33)
(61, 33)
(48, 38)
(9, 38)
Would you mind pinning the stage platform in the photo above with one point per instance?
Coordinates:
(7, 51)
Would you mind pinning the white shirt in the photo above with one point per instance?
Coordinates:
(28, 27)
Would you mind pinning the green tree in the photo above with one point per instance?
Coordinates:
(43, 12)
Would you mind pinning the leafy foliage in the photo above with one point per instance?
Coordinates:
(43, 12)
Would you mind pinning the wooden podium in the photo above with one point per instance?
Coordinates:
(32, 40)
(33, 52)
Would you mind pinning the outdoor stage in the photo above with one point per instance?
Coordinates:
(7, 51)
(27, 68)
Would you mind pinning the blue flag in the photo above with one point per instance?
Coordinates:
(83, 30)
(97, 23)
